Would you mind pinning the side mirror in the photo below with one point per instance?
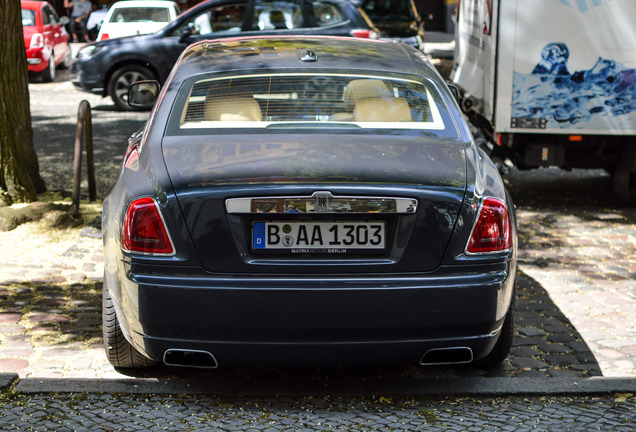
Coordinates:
(64, 20)
(186, 32)
(454, 91)
(143, 94)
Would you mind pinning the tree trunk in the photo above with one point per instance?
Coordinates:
(20, 179)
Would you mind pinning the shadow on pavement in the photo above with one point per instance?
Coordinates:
(547, 187)
(54, 141)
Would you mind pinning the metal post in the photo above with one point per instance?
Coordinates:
(84, 129)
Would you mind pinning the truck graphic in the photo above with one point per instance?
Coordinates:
(553, 83)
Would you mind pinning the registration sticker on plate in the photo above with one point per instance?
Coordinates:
(310, 237)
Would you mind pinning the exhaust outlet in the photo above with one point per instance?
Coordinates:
(190, 358)
(451, 355)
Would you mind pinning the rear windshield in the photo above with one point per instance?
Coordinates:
(140, 14)
(28, 18)
(308, 100)
(387, 10)
(287, 14)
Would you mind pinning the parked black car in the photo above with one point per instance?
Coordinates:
(306, 200)
(109, 67)
(397, 20)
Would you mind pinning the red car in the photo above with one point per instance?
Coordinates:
(45, 38)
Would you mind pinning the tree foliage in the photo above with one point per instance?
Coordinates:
(20, 179)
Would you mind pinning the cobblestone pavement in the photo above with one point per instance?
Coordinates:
(576, 281)
(92, 412)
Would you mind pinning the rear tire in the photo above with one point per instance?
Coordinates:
(625, 175)
(48, 74)
(119, 351)
(68, 58)
(121, 79)
(502, 347)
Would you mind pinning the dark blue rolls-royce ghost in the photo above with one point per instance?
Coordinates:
(306, 200)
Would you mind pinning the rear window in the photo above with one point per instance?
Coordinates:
(28, 18)
(288, 15)
(387, 10)
(309, 100)
(140, 14)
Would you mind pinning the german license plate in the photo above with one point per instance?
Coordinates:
(311, 236)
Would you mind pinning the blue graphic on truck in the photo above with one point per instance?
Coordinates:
(560, 99)
(583, 4)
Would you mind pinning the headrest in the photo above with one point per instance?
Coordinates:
(384, 109)
(232, 104)
(364, 88)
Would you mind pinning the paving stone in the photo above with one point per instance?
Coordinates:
(10, 318)
(13, 364)
(528, 363)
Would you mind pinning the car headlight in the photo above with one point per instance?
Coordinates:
(87, 52)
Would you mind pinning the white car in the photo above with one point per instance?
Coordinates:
(137, 17)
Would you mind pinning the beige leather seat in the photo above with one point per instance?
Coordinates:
(364, 88)
(358, 90)
(232, 108)
(382, 109)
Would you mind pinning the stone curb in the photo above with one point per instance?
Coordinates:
(394, 387)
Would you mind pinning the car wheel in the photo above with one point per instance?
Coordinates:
(119, 351)
(68, 58)
(48, 74)
(502, 347)
(122, 79)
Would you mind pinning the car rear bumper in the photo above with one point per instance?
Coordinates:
(36, 61)
(265, 321)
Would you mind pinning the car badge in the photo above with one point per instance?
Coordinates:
(323, 199)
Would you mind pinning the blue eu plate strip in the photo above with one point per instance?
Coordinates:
(258, 235)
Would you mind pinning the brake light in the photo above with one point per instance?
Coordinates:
(104, 36)
(37, 40)
(364, 33)
(492, 232)
(144, 229)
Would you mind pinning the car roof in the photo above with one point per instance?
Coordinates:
(32, 4)
(250, 53)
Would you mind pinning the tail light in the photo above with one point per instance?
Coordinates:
(492, 232)
(104, 36)
(37, 40)
(144, 229)
(364, 33)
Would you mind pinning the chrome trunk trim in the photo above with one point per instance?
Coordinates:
(322, 202)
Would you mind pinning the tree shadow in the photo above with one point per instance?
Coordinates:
(54, 143)
(543, 187)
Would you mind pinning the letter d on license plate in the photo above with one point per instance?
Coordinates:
(318, 235)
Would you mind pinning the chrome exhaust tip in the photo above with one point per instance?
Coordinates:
(450, 355)
(190, 358)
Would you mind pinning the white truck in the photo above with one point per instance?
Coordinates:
(551, 83)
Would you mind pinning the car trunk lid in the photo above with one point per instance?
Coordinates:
(354, 171)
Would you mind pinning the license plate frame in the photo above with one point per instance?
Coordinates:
(319, 237)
